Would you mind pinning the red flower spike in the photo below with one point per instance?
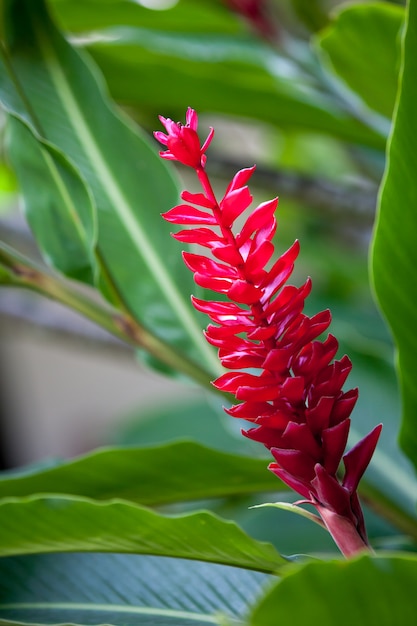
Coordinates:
(293, 394)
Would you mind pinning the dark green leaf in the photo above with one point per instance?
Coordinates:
(394, 254)
(65, 524)
(58, 206)
(123, 589)
(171, 473)
(364, 591)
(362, 47)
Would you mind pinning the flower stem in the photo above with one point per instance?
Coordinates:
(344, 533)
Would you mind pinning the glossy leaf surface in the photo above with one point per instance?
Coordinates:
(58, 205)
(65, 524)
(146, 476)
(362, 45)
(123, 589)
(364, 591)
(394, 254)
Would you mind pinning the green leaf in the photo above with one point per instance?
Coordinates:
(363, 591)
(124, 589)
(65, 524)
(234, 75)
(146, 476)
(130, 184)
(361, 45)
(292, 508)
(58, 206)
(394, 252)
(184, 16)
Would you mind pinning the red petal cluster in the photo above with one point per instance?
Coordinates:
(182, 141)
(287, 381)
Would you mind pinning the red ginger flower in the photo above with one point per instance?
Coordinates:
(295, 401)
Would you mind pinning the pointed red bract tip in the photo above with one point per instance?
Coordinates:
(358, 458)
(183, 142)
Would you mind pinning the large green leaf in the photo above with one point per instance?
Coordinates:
(69, 524)
(235, 75)
(369, 590)
(159, 475)
(123, 589)
(58, 205)
(362, 45)
(394, 253)
(130, 184)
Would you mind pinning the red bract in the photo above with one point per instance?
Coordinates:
(182, 141)
(285, 378)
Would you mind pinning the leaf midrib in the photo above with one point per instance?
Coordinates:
(107, 608)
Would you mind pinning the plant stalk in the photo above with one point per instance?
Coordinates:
(344, 533)
(23, 273)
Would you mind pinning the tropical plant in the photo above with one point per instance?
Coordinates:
(110, 537)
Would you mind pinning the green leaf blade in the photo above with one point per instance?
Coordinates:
(145, 476)
(124, 589)
(81, 16)
(58, 206)
(394, 253)
(65, 524)
(362, 591)
(366, 31)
